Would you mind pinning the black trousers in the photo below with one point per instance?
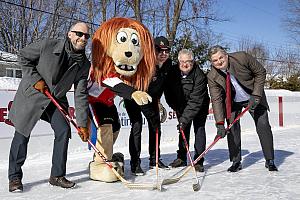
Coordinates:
(263, 129)
(200, 138)
(62, 133)
(151, 112)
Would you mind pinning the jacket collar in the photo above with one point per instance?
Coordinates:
(58, 48)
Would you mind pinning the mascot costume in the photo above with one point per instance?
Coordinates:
(123, 63)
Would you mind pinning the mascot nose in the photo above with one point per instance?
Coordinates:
(128, 54)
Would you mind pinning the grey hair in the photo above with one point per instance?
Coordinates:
(186, 52)
(215, 49)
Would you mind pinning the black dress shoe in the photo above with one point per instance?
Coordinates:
(136, 168)
(15, 185)
(235, 167)
(61, 181)
(271, 165)
(152, 164)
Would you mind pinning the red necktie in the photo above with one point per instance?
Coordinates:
(228, 96)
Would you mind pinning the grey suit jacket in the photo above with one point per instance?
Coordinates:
(41, 61)
(249, 73)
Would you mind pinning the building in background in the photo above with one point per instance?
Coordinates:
(9, 66)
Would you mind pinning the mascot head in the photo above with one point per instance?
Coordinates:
(124, 47)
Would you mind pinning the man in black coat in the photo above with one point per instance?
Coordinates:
(150, 111)
(53, 65)
(186, 93)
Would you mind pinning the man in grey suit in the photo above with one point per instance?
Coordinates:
(53, 65)
(236, 80)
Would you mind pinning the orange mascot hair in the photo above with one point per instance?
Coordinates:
(103, 65)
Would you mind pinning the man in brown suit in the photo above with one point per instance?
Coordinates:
(236, 80)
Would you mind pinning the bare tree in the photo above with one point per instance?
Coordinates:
(25, 21)
(291, 20)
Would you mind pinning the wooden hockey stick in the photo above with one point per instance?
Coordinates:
(139, 186)
(173, 179)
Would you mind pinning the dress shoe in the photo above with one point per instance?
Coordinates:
(235, 167)
(152, 164)
(271, 165)
(136, 169)
(199, 167)
(61, 181)
(15, 185)
(178, 163)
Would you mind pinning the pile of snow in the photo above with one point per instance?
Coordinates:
(9, 83)
(281, 92)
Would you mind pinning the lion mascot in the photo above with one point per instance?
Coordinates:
(123, 63)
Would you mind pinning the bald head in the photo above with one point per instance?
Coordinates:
(79, 25)
(79, 35)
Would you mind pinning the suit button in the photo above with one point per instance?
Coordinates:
(43, 108)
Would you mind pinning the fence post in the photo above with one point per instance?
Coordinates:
(280, 111)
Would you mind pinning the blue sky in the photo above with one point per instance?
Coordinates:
(257, 20)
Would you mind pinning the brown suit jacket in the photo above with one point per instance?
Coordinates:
(250, 74)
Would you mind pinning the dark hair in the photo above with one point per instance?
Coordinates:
(215, 49)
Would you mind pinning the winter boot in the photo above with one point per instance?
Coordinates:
(15, 185)
(61, 181)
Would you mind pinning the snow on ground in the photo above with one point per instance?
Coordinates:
(253, 182)
(8, 83)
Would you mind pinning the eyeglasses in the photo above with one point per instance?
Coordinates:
(80, 34)
(185, 61)
(165, 51)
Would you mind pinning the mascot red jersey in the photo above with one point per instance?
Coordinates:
(123, 61)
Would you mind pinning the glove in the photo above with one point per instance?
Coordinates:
(40, 86)
(141, 98)
(221, 131)
(84, 134)
(254, 101)
(181, 125)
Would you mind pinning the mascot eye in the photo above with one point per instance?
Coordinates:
(121, 37)
(135, 39)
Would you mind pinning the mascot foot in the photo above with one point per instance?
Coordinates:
(100, 171)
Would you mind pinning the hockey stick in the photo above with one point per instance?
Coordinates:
(125, 182)
(196, 186)
(187, 169)
(156, 160)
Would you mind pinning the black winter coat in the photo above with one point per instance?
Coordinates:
(156, 86)
(187, 96)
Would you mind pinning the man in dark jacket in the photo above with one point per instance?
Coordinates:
(150, 111)
(186, 92)
(237, 80)
(53, 65)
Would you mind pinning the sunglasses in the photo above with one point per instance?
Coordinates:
(80, 34)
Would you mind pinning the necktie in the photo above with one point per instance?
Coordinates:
(228, 95)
